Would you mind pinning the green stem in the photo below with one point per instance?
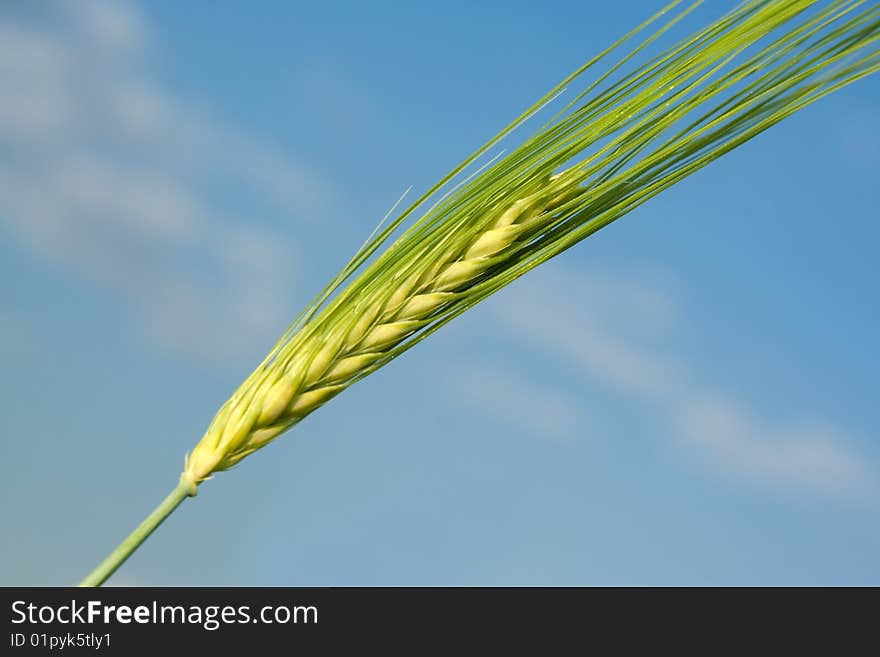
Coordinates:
(116, 558)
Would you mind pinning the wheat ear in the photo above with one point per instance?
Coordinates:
(628, 136)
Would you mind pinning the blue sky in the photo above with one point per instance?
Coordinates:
(689, 397)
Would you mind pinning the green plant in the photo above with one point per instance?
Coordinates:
(631, 133)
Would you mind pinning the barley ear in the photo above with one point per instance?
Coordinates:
(645, 124)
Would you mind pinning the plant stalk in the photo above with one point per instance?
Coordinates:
(116, 558)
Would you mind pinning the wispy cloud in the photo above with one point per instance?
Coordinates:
(516, 403)
(599, 335)
(110, 175)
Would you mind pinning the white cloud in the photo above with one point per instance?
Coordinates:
(110, 22)
(107, 173)
(598, 334)
(804, 455)
(516, 403)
